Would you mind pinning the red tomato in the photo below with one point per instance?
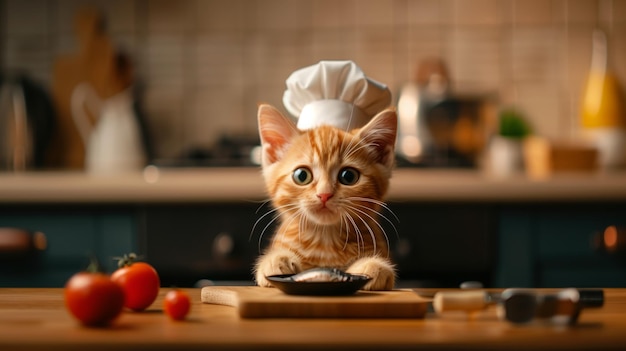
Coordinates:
(140, 282)
(177, 304)
(93, 298)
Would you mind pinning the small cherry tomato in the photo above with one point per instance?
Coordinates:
(93, 298)
(140, 282)
(177, 304)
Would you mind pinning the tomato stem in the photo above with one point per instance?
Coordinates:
(94, 264)
(126, 260)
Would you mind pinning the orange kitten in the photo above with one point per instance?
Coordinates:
(327, 186)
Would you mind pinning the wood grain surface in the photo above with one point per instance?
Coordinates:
(258, 302)
(36, 319)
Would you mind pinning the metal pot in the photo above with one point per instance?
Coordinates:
(26, 123)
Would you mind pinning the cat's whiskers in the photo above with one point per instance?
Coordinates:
(357, 234)
(352, 144)
(369, 228)
(381, 204)
(343, 219)
(301, 226)
(273, 210)
(277, 215)
(359, 146)
(377, 202)
(350, 119)
(299, 214)
(384, 232)
(263, 203)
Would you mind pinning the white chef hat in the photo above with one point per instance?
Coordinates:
(335, 93)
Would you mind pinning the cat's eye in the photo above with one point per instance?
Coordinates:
(302, 176)
(348, 176)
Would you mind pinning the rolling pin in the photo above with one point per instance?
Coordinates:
(522, 305)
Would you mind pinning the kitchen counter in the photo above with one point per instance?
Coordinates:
(35, 319)
(246, 184)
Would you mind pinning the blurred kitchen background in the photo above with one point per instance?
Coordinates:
(199, 68)
(508, 86)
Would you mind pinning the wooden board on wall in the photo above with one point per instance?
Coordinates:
(96, 62)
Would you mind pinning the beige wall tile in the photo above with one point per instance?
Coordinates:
(374, 13)
(475, 57)
(165, 61)
(617, 52)
(532, 12)
(479, 12)
(578, 62)
(425, 12)
(207, 64)
(273, 56)
(333, 44)
(120, 15)
(374, 53)
(540, 105)
(334, 13)
(426, 41)
(581, 11)
(165, 17)
(219, 60)
(26, 54)
(28, 17)
(617, 9)
(215, 15)
(282, 14)
(534, 56)
(215, 112)
(166, 120)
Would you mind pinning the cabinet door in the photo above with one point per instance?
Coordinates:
(566, 252)
(553, 245)
(443, 245)
(189, 243)
(516, 256)
(72, 235)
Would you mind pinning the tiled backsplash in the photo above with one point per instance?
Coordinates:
(205, 64)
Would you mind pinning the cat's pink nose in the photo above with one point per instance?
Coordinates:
(324, 197)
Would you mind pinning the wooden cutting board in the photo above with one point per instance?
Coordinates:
(258, 302)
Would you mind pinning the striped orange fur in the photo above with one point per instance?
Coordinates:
(327, 188)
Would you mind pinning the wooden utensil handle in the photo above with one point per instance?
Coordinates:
(219, 297)
(460, 301)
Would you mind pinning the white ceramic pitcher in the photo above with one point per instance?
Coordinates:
(113, 144)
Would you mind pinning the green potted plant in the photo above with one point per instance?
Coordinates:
(513, 124)
(505, 149)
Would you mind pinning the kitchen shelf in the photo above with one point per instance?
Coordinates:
(193, 185)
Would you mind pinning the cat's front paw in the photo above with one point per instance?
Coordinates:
(379, 269)
(274, 263)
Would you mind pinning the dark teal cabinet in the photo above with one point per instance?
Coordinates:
(554, 245)
(502, 245)
(73, 234)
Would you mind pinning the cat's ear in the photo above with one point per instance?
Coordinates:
(380, 136)
(276, 132)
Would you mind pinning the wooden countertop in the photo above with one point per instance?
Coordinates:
(35, 319)
(246, 184)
